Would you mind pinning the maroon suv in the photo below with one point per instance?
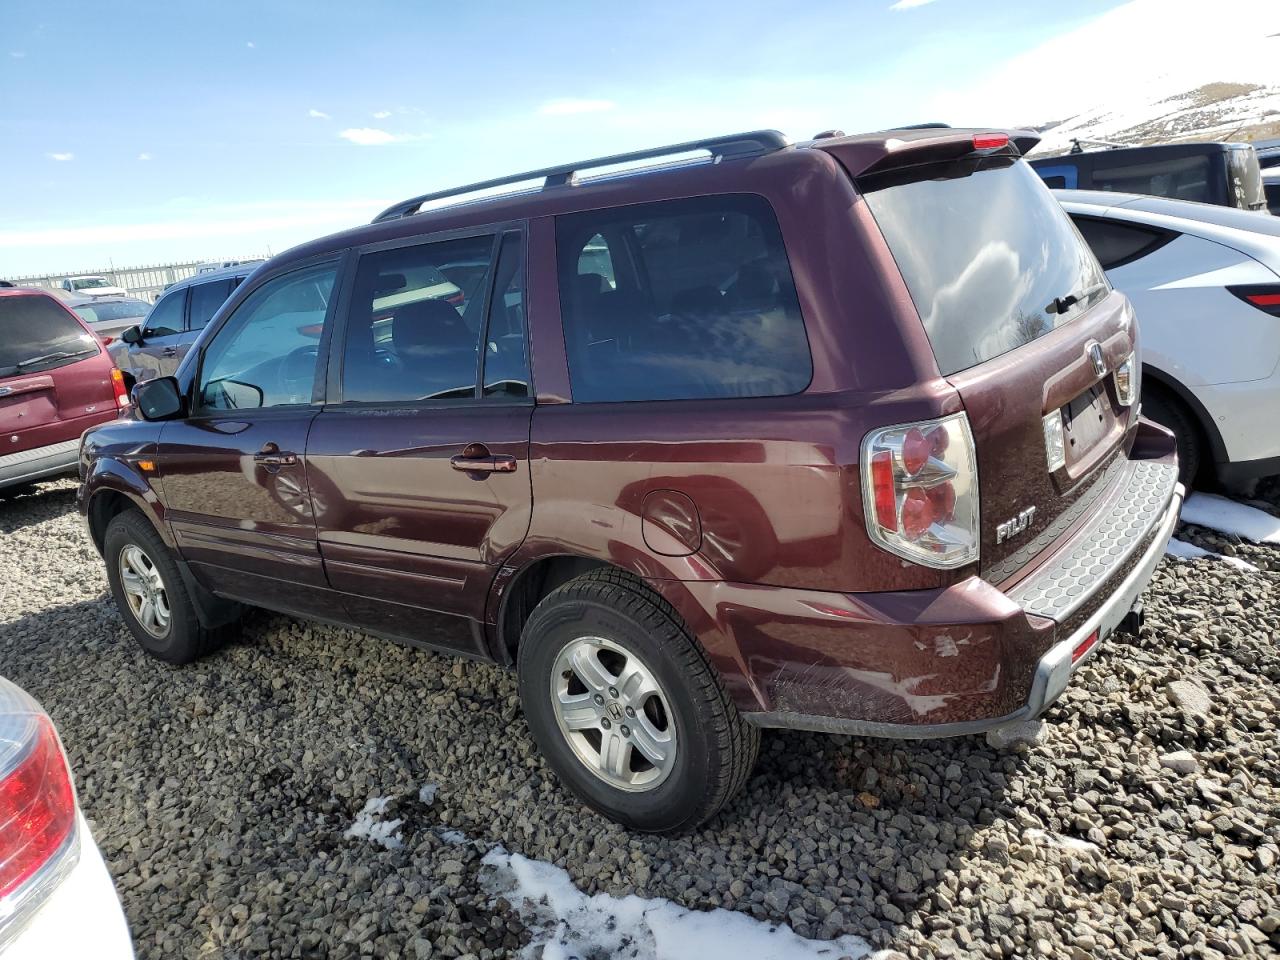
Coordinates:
(840, 435)
(56, 381)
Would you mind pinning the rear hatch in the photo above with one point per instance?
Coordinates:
(1023, 324)
(53, 374)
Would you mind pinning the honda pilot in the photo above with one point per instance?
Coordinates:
(840, 435)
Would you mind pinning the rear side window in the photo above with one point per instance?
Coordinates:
(413, 334)
(38, 334)
(206, 298)
(684, 299)
(990, 257)
(1116, 244)
(1183, 178)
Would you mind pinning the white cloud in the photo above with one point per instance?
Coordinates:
(382, 114)
(568, 107)
(370, 136)
(908, 4)
(61, 156)
(144, 156)
(17, 54)
(317, 114)
(251, 45)
(219, 221)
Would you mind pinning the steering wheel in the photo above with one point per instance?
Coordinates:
(298, 370)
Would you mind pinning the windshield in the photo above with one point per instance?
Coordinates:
(86, 283)
(116, 310)
(991, 259)
(38, 334)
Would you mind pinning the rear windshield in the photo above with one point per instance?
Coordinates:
(112, 310)
(990, 257)
(38, 334)
(1182, 178)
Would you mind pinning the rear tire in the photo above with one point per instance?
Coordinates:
(152, 596)
(650, 738)
(1164, 408)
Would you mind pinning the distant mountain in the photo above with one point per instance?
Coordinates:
(1160, 111)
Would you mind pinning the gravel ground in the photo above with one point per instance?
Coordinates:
(1143, 821)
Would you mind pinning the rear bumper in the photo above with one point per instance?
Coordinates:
(39, 463)
(939, 663)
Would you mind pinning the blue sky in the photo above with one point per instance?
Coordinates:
(186, 129)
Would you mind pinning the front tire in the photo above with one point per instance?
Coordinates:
(626, 708)
(151, 595)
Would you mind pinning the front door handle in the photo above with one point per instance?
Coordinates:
(475, 458)
(272, 456)
(169, 352)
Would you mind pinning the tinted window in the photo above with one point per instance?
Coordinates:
(38, 334)
(1183, 178)
(206, 298)
(506, 363)
(701, 303)
(990, 257)
(265, 354)
(1115, 244)
(165, 318)
(412, 333)
(1273, 196)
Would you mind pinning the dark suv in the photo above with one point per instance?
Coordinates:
(840, 435)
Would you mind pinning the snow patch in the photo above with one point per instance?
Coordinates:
(455, 837)
(427, 794)
(369, 825)
(1189, 551)
(1227, 516)
(566, 923)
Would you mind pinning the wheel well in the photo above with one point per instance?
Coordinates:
(102, 509)
(532, 584)
(1198, 415)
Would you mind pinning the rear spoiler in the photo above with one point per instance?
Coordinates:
(888, 149)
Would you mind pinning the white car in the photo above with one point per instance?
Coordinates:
(1205, 281)
(93, 287)
(56, 897)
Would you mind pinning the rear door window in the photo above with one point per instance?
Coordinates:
(206, 298)
(990, 257)
(1116, 244)
(412, 333)
(677, 300)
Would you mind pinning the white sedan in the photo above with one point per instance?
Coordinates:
(56, 897)
(1205, 281)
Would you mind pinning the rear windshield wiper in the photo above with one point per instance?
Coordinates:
(49, 357)
(1063, 304)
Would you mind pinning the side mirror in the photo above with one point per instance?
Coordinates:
(132, 335)
(158, 399)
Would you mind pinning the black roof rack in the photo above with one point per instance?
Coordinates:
(735, 145)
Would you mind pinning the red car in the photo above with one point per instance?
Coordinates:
(56, 381)
(840, 435)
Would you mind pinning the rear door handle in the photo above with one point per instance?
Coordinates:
(499, 464)
(475, 458)
(169, 352)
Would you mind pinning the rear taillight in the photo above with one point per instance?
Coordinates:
(920, 491)
(1264, 296)
(118, 388)
(38, 840)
